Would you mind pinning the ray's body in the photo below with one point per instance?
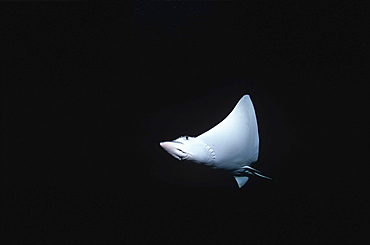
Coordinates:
(231, 145)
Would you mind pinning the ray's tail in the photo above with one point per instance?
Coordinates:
(242, 175)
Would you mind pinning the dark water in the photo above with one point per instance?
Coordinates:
(95, 87)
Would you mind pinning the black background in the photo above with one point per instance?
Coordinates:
(90, 89)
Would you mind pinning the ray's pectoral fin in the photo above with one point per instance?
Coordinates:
(241, 180)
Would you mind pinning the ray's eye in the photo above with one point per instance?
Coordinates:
(186, 137)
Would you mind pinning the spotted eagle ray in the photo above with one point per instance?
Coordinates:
(231, 145)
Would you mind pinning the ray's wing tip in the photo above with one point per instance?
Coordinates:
(246, 97)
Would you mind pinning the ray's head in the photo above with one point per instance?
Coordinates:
(187, 148)
(177, 148)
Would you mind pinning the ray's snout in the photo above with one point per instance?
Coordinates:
(166, 145)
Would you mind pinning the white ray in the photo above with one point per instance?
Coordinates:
(232, 145)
